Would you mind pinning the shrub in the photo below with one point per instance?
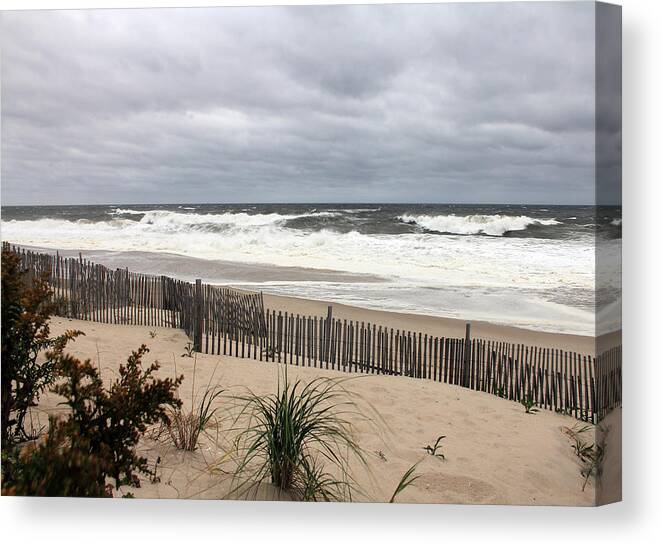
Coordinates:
(292, 435)
(61, 465)
(113, 420)
(25, 334)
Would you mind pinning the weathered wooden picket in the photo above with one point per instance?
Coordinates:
(225, 321)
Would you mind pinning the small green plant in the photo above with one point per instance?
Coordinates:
(434, 450)
(500, 392)
(407, 479)
(529, 404)
(152, 334)
(293, 436)
(189, 350)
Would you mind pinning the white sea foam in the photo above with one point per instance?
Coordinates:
(263, 238)
(617, 222)
(479, 271)
(475, 224)
(179, 221)
(119, 211)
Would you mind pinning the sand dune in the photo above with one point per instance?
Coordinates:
(495, 452)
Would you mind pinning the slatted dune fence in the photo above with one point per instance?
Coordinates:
(561, 381)
(89, 291)
(228, 322)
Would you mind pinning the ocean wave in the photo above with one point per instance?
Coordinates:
(475, 224)
(182, 221)
(353, 211)
(616, 222)
(265, 239)
(120, 212)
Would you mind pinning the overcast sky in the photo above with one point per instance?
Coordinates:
(401, 103)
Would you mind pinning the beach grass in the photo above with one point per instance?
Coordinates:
(185, 427)
(300, 440)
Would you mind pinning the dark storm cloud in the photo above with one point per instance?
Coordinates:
(442, 103)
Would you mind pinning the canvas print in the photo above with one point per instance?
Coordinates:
(313, 253)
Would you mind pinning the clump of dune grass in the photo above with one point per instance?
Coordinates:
(591, 456)
(299, 440)
(186, 426)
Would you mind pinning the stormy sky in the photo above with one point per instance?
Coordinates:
(402, 103)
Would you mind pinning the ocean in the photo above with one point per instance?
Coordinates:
(531, 266)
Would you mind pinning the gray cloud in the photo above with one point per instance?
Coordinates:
(467, 103)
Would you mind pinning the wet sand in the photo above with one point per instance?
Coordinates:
(243, 274)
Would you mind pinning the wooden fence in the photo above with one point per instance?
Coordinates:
(229, 322)
(89, 291)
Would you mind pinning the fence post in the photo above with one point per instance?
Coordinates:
(327, 333)
(198, 319)
(467, 357)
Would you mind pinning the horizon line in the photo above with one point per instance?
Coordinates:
(313, 203)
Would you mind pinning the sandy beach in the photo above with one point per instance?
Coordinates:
(443, 326)
(494, 452)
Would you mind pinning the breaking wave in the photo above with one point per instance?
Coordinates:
(496, 225)
(177, 221)
(268, 239)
